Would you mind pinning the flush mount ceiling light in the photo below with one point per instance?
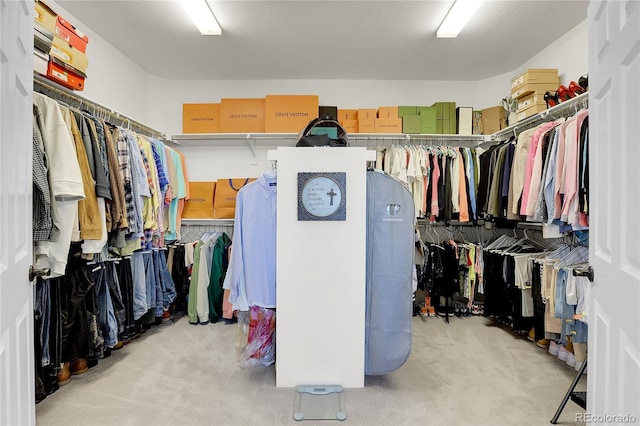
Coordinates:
(457, 18)
(202, 16)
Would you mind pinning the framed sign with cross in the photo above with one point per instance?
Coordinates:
(322, 196)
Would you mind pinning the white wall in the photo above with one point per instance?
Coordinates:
(113, 80)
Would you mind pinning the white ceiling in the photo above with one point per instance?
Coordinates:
(306, 39)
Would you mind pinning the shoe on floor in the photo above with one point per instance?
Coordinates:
(579, 365)
(532, 335)
(543, 343)
(553, 348)
(563, 353)
(571, 359)
(79, 366)
(65, 375)
(117, 346)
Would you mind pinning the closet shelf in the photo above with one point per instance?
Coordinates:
(56, 91)
(564, 109)
(185, 137)
(207, 221)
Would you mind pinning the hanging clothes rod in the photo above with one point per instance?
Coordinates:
(565, 109)
(55, 91)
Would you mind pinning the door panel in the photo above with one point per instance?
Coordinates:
(614, 332)
(17, 406)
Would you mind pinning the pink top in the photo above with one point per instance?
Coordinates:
(570, 204)
(435, 175)
(559, 177)
(533, 146)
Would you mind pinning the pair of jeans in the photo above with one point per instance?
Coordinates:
(180, 276)
(106, 318)
(42, 312)
(154, 292)
(125, 279)
(74, 287)
(166, 282)
(157, 279)
(113, 284)
(140, 304)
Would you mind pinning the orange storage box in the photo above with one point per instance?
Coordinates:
(289, 113)
(347, 114)
(71, 34)
(58, 73)
(242, 115)
(200, 118)
(388, 125)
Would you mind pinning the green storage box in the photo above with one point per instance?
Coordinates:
(407, 110)
(411, 124)
(428, 118)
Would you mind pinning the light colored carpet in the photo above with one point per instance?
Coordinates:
(468, 372)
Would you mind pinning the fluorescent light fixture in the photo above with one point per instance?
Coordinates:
(202, 16)
(457, 18)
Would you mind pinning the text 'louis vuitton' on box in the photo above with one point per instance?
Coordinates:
(242, 115)
(289, 113)
(200, 118)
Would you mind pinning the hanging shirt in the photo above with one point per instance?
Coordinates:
(65, 180)
(518, 168)
(531, 154)
(251, 276)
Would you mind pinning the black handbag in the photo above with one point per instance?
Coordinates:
(310, 137)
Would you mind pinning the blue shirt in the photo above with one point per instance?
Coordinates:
(251, 276)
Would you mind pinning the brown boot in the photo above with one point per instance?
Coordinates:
(78, 366)
(65, 375)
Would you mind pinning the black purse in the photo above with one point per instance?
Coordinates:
(312, 135)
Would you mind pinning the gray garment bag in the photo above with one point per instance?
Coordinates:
(390, 264)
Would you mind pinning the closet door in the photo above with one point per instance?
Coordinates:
(17, 406)
(614, 319)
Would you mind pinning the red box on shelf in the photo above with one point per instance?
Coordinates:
(63, 76)
(71, 34)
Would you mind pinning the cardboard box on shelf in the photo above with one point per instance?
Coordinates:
(529, 88)
(407, 110)
(69, 55)
(493, 119)
(289, 113)
(367, 120)
(201, 118)
(45, 16)
(535, 75)
(531, 110)
(388, 112)
(464, 120)
(347, 114)
(367, 125)
(240, 115)
(200, 203)
(428, 118)
(367, 113)
(477, 123)
(526, 101)
(388, 125)
(350, 126)
(411, 124)
(71, 34)
(57, 72)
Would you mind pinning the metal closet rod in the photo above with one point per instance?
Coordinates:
(565, 109)
(58, 92)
